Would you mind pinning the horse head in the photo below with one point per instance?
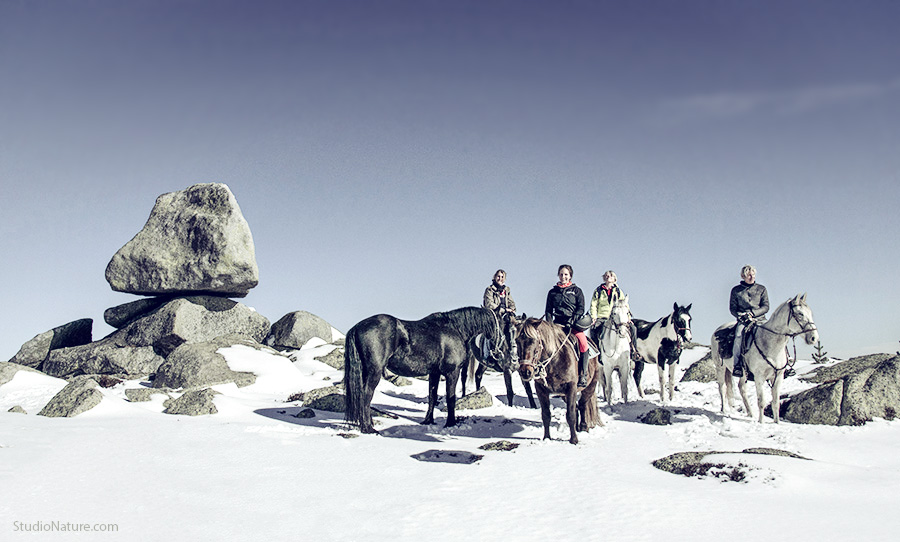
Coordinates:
(530, 346)
(620, 316)
(681, 319)
(509, 328)
(802, 314)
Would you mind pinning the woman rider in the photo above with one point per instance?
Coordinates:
(565, 306)
(605, 296)
(749, 302)
(497, 296)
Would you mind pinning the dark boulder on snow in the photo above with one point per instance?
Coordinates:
(334, 359)
(295, 329)
(702, 370)
(143, 395)
(194, 319)
(195, 241)
(34, 352)
(473, 401)
(193, 403)
(80, 395)
(657, 416)
(198, 365)
(852, 393)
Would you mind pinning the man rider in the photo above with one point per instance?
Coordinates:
(749, 302)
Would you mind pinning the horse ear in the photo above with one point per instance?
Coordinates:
(688, 308)
(675, 306)
(626, 299)
(803, 299)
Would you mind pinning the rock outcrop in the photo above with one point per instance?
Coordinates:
(80, 395)
(852, 393)
(195, 241)
(193, 403)
(197, 365)
(111, 355)
(702, 370)
(295, 329)
(194, 319)
(34, 352)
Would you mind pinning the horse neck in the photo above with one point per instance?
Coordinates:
(779, 325)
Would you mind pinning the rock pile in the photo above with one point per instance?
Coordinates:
(194, 253)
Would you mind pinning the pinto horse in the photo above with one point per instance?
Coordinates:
(659, 343)
(550, 358)
(767, 357)
(437, 345)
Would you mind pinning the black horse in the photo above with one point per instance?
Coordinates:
(437, 345)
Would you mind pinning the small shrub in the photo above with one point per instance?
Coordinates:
(820, 356)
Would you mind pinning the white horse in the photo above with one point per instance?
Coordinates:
(659, 343)
(767, 356)
(615, 348)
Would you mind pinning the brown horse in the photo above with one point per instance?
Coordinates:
(550, 358)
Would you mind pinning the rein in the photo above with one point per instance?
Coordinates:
(541, 366)
(810, 326)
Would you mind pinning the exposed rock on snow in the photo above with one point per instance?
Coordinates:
(853, 392)
(198, 365)
(657, 416)
(193, 403)
(196, 240)
(480, 399)
(34, 352)
(194, 319)
(295, 329)
(17, 410)
(142, 395)
(335, 358)
(111, 355)
(702, 370)
(9, 370)
(80, 395)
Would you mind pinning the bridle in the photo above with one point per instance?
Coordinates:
(540, 367)
(804, 329)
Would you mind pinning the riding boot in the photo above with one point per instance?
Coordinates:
(582, 370)
(635, 356)
(738, 370)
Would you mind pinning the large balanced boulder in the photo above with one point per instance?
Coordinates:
(80, 395)
(199, 365)
(295, 329)
(34, 352)
(195, 241)
(856, 391)
(194, 319)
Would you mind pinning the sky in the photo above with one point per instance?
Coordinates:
(390, 156)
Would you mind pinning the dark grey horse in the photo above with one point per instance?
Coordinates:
(437, 345)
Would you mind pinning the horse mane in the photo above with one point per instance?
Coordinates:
(470, 321)
(549, 334)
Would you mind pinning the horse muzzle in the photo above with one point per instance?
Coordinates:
(526, 371)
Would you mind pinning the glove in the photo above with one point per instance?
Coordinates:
(745, 318)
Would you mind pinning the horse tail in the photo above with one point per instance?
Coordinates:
(354, 388)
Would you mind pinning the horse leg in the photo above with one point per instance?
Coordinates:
(544, 398)
(451, 377)
(760, 388)
(623, 376)
(607, 383)
(671, 382)
(479, 375)
(530, 394)
(776, 396)
(742, 386)
(661, 369)
(434, 379)
(507, 379)
(638, 371)
(572, 413)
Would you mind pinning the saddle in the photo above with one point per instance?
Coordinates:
(725, 338)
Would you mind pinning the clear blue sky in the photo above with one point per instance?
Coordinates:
(389, 156)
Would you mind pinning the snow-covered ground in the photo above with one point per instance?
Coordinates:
(254, 471)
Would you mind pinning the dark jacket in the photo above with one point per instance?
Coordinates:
(751, 298)
(564, 305)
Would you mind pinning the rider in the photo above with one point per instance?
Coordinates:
(749, 302)
(565, 306)
(605, 296)
(497, 296)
